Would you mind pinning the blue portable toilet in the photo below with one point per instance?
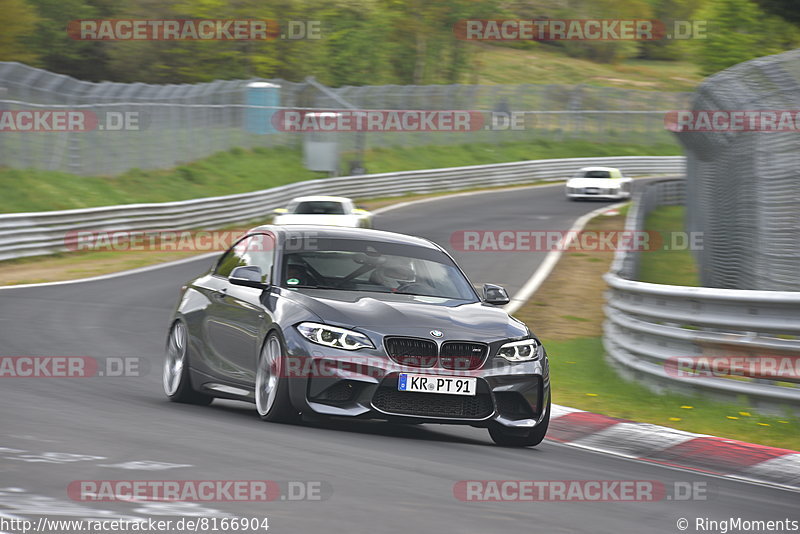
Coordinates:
(259, 120)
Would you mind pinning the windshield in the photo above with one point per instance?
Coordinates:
(319, 207)
(361, 265)
(596, 174)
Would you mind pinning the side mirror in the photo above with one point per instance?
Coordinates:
(280, 211)
(248, 276)
(496, 295)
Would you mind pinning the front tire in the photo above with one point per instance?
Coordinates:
(175, 378)
(272, 389)
(503, 437)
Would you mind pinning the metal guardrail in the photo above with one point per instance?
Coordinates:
(30, 234)
(661, 335)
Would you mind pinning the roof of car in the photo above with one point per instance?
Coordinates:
(344, 232)
(321, 198)
(598, 169)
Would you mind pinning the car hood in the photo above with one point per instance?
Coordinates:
(388, 313)
(593, 182)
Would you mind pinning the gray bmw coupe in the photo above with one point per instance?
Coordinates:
(358, 323)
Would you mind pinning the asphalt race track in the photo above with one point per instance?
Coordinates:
(374, 477)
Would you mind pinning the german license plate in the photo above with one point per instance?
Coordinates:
(592, 190)
(451, 385)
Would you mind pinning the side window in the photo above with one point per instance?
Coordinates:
(235, 257)
(261, 252)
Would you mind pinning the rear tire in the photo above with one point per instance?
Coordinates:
(175, 378)
(272, 389)
(503, 437)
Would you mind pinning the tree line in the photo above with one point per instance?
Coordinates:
(372, 42)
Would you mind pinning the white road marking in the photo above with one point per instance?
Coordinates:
(186, 509)
(32, 438)
(54, 458)
(118, 274)
(25, 503)
(546, 267)
(145, 465)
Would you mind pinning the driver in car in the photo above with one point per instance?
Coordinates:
(394, 275)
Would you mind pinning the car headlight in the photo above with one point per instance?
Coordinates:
(520, 351)
(333, 336)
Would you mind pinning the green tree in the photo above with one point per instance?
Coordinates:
(19, 22)
(192, 61)
(785, 9)
(57, 51)
(603, 51)
(354, 50)
(667, 12)
(424, 47)
(738, 30)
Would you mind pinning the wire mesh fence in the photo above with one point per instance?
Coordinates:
(174, 124)
(743, 189)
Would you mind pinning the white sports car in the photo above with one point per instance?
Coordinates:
(328, 211)
(599, 182)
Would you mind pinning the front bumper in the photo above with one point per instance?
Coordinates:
(601, 197)
(363, 384)
(616, 195)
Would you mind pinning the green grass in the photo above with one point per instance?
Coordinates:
(575, 318)
(235, 171)
(583, 379)
(241, 171)
(431, 157)
(665, 265)
(542, 64)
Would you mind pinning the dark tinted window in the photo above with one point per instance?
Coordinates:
(233, 258)
(319, 208)
(359, 265)
(597, 174)
(256, 249)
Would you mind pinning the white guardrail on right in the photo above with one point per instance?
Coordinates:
(31, 234)
(729, 344)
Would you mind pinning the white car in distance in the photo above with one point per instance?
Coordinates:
(324, 210)
(599, 182)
